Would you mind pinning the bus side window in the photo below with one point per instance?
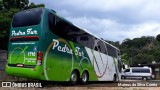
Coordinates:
(111, 51)
(51, 21)
(127, 70)
(102, 47)
(84, 40)
(97, 48)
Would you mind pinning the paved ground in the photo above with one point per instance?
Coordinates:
(3, 59)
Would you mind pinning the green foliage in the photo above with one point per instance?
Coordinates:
(124, 58)
(32, 5)
(8, 4)
(141, 50)
(142, 59)
(1, 5)
(117, 44)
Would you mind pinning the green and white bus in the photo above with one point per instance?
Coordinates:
(45, 46)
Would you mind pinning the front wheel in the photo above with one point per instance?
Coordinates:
(73, 78)
(123, 77)
(114, 78)
(144, 78)
(85, 77)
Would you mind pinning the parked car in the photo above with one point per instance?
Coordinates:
(144, 73)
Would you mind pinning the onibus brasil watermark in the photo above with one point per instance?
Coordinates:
(22, 84)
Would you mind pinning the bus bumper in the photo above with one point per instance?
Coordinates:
(33, 73)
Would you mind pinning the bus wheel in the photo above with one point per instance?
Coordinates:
(114, 78)
(123, 77)
(85, 77)
(144, 78)
(74, 78)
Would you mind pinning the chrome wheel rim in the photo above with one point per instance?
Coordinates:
(84, 77)
(73, 77)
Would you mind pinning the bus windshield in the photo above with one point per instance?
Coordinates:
(27, 17)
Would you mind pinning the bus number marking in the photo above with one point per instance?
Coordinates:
(66, 49)
(31, 54)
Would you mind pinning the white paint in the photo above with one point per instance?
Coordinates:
(29, 31)
(103, 61)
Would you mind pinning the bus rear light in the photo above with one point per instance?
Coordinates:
(24, 38)
(39, 58)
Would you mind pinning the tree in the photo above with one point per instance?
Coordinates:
(142, 59)
(32, 5)
(125, 58)
(5, 23)
(1, 5)
(141, 50)
(8, 4)
(156, 55)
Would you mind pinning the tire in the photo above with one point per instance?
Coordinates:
(73, 78)
(144, 78)
(114, 78)
(123, 77)
(85, 77)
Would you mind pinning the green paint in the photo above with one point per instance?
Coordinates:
(24, 49)
(21, 52)
(73, 48)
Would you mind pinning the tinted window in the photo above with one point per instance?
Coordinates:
(102, 47)
(51, 21)
(111, 51)
(127, 70)
(145, 70)
(135, 70)
(27, 17)
(68, 31)
(140, 70)
(84, 38)
(65, 29)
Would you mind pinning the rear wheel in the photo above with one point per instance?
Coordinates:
(85, 77)
(123, 77)
(114, 78)
(73, 78)
(144, 78)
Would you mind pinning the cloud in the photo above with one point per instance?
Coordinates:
(112, 30)
(111, 19)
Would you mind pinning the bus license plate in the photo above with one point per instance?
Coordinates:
(20, 65)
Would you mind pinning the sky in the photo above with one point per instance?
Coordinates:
(113, 20)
